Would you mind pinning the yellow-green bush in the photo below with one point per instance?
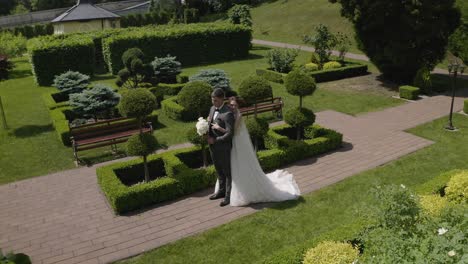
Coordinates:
(312, 66)
(330, 252)
(331, 65)
(432, 204)
(457, 188)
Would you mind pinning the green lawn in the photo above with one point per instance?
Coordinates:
(31, 148)
(255, 237)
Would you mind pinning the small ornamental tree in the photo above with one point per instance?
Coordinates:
(215, 77)
(255, 88)
(195, 96)
(137, 103)
(240, 14)
(135, 70)
(282, 60)
(95, 101)
(257, 128)
(142, 145)
(166, 68)
(300, 84)
(200, 141)
(323, 41)
(71, 82)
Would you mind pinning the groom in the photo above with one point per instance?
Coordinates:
(221, 144)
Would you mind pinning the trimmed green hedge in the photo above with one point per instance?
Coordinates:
(171, 88)
(409, 92)
(270, 75)
(192, 43)
(55, 100)
(465, 106)
(52, 56)
(179, 180)
(175, 111)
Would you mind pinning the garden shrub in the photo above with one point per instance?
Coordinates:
(457, 188)
(465, 106)
(5, 67)
(255, 88)
(182, 78)
(71, 82)
(214, 77)
(271, 76)
(95, 102)
(142, 145)
(171, 88)
(14, 258)
(135, 70)
(422, 80)
(311, 66)
(299, 117)
(257, 128)
(12, 46)
(191, 15)
(433, 204)
(166, 69)
(282, 60)
(349, 70)
(457, 41)
(200, 141)
(137, 103)
(158, 93)
(172, 109)
(437, 184)
(191, 43)
(55, 100)
(51, 56)
(195, 97)
(240, 14)
(300, 84)
(331, 252)
(331, 65)
(409, 92)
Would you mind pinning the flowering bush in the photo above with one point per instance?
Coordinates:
(330, 252)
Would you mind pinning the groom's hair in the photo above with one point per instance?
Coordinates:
(218, 92)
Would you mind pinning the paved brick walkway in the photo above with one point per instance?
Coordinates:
(64, 218)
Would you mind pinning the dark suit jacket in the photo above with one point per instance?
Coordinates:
(224, 119)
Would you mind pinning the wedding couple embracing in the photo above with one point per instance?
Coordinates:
(241, 180)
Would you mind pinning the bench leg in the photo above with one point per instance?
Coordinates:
(75, 154)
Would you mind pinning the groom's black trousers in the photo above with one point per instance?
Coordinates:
(221, 156)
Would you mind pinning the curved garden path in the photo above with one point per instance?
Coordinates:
(64, 218)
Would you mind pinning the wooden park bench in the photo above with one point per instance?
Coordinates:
(104, 133)
(274, 104)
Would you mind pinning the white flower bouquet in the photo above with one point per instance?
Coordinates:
(202, 126)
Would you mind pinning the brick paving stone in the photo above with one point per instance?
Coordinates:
(64, 217)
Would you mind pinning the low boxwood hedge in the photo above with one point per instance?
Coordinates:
(171, 88)
(175, 111)
(55, 100)
(270, 75)
(409, 92)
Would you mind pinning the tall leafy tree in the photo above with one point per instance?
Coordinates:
(400, 36)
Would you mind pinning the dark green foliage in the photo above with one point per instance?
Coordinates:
(255, 88)
(7, 6)
(257, 128)
(299, 118)
(417, 35)
(409, 92)
(422, 80)
(5, 67)
(71, 82)
(191, 43)
(349, 70)
(39, 5)
(300, 84)
(141, 145)
(172, 109)
(171, 88)
(195, 97)
(282, 60)
(94, 102)
(166, 69)
(215, 77)
(191, 15)
(240, 14)
(465, 106)
(51, 56)
(271, 76)
(458, 42)
(200, 141)
(135, 70)
(323, 41)
(12, 258)
(182, 78)
(137, 103)
(159, 94)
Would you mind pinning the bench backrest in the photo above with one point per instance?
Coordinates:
(266, 105)
(103, 128)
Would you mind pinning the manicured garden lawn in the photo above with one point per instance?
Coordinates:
(257, 236)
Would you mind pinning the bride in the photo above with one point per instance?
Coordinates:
(249, 183)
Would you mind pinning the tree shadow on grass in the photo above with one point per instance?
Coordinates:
(32, 130)
(103, 77)
(19, 74)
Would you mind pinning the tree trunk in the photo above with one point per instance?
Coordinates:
(147, 178)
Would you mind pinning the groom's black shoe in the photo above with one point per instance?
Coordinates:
(224, 202)
(217, 196)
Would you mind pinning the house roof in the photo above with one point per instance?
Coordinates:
(84, 10)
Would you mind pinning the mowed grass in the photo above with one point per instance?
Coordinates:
(255, 237)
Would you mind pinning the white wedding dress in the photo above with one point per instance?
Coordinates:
(249, 183)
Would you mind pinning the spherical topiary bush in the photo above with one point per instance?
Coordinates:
(331, 65)
(131, 54)
(311, 66)
(197, 140)
(196, 97)
(329, 252)
(137, 103)
(457, 188)
(216, 78)
(299, 118)
(257, 128)
(142, 145)
(255, 88)
(299, 83)
(71, 82)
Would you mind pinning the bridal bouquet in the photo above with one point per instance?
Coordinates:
(202, 126)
